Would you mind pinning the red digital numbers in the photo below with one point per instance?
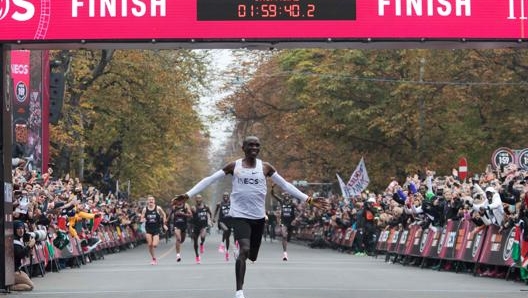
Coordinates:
(277, 11)
(311, 11)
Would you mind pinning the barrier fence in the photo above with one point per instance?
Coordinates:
(45, 256)
(458, 240)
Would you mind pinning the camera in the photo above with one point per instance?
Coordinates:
(38, 235)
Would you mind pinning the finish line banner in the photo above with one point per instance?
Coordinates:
(144, 20)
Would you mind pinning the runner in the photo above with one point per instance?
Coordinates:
(222, 211)
(153, 216)
(287, 216)
(200, 220)
(180, 213)
(248, 198)
(271, 222)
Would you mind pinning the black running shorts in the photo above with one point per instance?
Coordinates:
(251, 229)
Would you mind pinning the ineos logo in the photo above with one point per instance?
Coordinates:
(19, 68)
(18, 10)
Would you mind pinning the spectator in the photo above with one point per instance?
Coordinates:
(22, 249)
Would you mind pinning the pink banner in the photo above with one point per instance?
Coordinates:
(413, 244)
(20, 73)
(85, 20)
(497, 247)
(430, 241)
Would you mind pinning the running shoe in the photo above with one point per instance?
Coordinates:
(227, 256)
(239, 294)
(285, 256)
(178, 258)
(202, 249)
(198, 260)
(221, 248)
(154, 262)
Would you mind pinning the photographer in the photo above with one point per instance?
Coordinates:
(366, 226)
(22, 249)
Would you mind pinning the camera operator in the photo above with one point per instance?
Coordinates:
(22, 249)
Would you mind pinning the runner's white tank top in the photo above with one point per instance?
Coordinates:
(248, 194)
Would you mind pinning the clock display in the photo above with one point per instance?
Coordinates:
(267, 10)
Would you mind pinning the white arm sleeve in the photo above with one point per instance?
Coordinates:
(200, 186)
(288, 187)
(417, 210)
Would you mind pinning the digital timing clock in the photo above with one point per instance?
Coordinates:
(268, 10)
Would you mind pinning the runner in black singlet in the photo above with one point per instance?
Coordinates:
(180, 214)
(154, 218)
(201, 214)
(222, 211)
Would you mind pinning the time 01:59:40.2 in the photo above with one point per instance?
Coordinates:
(275, 11)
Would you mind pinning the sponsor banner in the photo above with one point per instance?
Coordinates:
(497, 247)
(463, 229)
(382, 240)
(348, 240)
(402, 242)
(446, 246)
(415, 239)
(392, 242)
(430, 243)
(20, 74)
(26, 72)
(155, 20)
(338, 236)
(473, 244)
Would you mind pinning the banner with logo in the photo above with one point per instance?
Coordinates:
(415, 239)
(345, 192)
(209, 19)
(359, 179)
(392, 242)
(430, 240)
(20, 74)
(497, 247)
(382, 240)
(449, 235)
(27, 75)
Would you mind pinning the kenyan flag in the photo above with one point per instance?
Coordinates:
(520, 252)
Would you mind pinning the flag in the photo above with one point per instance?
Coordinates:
(516, 248)
(96, 222)
(344, 189)
(359, 179)
(520, 247)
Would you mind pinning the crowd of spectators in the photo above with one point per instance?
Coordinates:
(494, 197)
(55, 209)
(62, 206)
